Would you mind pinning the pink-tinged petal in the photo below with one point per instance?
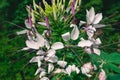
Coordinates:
(66, 36)
(50, 67)
(32, 44)
(42, 23)
(96, 51)
(40, 40)
(85, 43)
(81, 23)
(91, 14)
(51, 53)
(52, 59)
(57, 45)
(59, 71)
(39, 70)
(62, 63)
(44, 78)
(75, 32)
(40, 52)
(98, 41)
(25, 48)
(99, 25)
(102, 75)
(27, 24)
(22, 32)
(98, 18)
(68, 70)
(42, 74)
(88, 50)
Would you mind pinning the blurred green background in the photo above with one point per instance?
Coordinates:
(14, 64)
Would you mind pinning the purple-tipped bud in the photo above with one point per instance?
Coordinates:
(72, 8)
(47, 22)
(40, 4)
(47, 25)
(74, 2)
(30, 21)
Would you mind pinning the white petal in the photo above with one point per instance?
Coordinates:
(57, 45)
(96, 51)
(51, 53)
(25, 48)
(40, 40)
(81, 23)
(75, 32)
(77, 70)
(99, 25)
(52, 59)
(43, 73)
(34, 59)
(59, 71)
(98, 18)
(44, 78)
(90, 34)
(22, 32)
(40, 52)
(50, 67)
(32, 44)
(102, 75)
(39, 70)
(73, 67)
(66, 36)
(98, 41)
(85, 43)
(68, 70)
(91, 14)
(47, 45)
(88, 50)
(62, 63)
(42, 23)
(27, 24)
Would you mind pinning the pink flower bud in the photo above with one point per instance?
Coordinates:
(102, 75)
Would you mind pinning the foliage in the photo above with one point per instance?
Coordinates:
(13, 61)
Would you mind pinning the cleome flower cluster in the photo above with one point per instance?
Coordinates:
(46, 52)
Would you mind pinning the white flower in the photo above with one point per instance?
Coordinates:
(86, 68)
(35, 44)
(59, 71)
(62, 63)
(102, 75)
(85, 43)
(57, 45)
(37, 59)
(90, 31)
(50, 67)
(92, 18)
(72, 68)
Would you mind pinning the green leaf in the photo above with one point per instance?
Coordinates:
(113, 67)
(113, 77)
(114, 58)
